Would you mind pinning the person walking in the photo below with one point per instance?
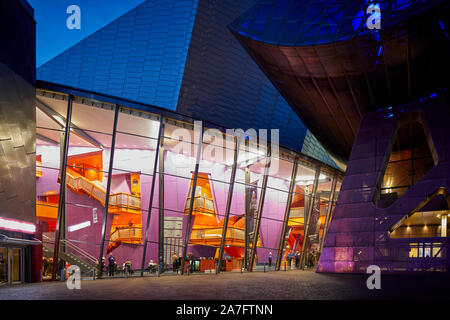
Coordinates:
(111, 265)
(62, 269)
(45, 264)
(290, 256)
(180, 259)
(297, 259)
(191, 261)
(174, 262)
(270, 259)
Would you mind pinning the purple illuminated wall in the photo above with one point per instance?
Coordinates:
(358, 234)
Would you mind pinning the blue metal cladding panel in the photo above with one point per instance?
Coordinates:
(313, 148)
(314, 22)
(222, 84)
(140, 56)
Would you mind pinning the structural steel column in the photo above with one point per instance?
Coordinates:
(329, 209)
(159, 146)
(191, 203)
(62, 187)
(237, 141)
(286, 215)
(260, 209)
(108, 190)
(161, 208)
(307, 218)
(247, 214)
(62, 224)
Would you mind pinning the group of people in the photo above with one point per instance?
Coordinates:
(127, 266)
(294, 258)
(47, 265)
(177, 261)
(311, 259)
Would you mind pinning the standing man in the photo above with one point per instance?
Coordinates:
(111, 265)
(270, 259)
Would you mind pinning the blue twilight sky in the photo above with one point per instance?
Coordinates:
(53, 36)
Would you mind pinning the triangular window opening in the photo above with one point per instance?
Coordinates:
(412, 156)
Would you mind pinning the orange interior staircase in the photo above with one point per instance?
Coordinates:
(207, 228)
(84, 176)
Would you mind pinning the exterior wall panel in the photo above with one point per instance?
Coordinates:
(17, 111)
(358, 235)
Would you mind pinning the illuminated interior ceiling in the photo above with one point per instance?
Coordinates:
(436, 202)
(332, 69)
(92, 126)
(427, 218)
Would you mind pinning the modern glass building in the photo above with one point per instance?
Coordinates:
(123, 149)
(121, 170)
(143, 183)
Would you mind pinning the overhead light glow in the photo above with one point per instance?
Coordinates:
(15, 225)
(307, 180)
(79, 226)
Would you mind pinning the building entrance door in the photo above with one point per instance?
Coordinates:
(11, 265)
(16, 262)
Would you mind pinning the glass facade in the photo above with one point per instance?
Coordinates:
(176, 193)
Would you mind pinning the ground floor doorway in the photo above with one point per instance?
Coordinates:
(11, 265)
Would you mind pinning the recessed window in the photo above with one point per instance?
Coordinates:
(410, 158)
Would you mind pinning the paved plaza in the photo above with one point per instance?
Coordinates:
(235, 286)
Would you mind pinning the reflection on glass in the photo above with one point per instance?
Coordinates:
(180, 151)
(301, 202)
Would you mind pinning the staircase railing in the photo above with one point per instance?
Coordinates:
(120, 200)
(82, 254)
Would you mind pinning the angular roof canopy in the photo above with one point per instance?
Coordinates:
(332, 69)
(314, 22)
